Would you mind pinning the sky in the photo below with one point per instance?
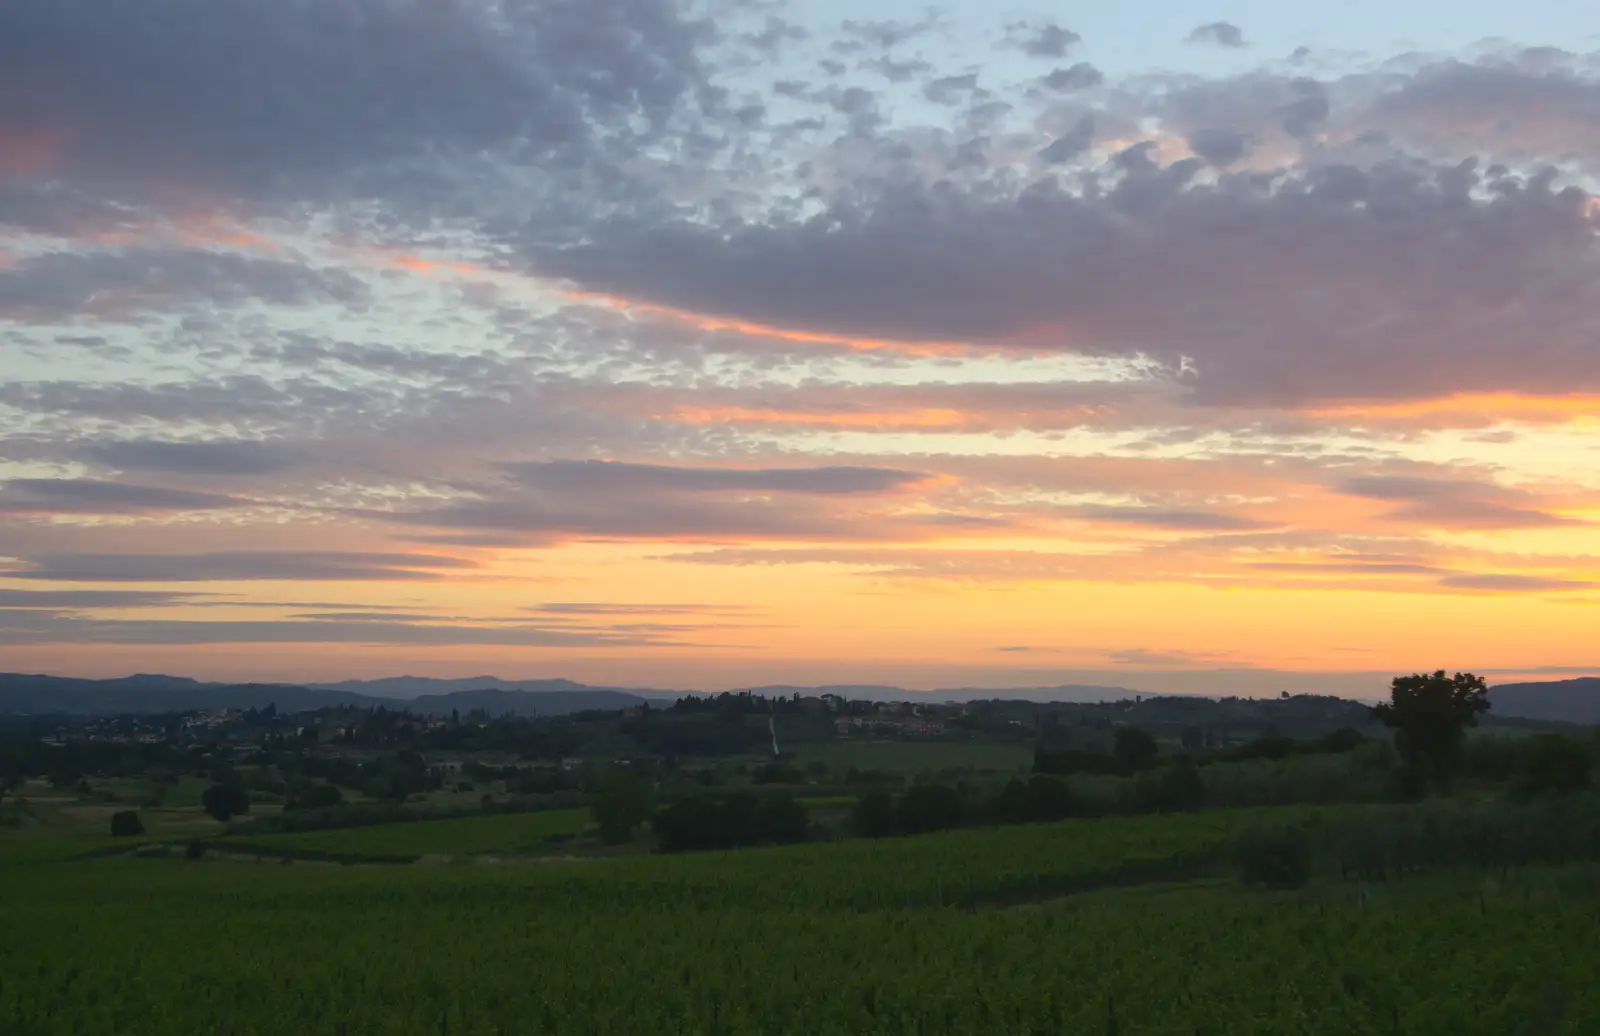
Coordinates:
(1225, 348)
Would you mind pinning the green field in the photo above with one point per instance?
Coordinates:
(461, 836)
(1054, 928)
(916, 756)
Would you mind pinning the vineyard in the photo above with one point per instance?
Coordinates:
(954, 933)
(460, 836)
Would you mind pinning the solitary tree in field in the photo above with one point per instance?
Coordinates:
(1430, 714)
(126, 824)
(225, 801)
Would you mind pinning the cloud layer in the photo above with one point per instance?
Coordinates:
(444, 298)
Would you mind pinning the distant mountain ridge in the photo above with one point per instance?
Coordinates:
(31, 694)
(1566, 701)
(424, 686)
(1569, 701)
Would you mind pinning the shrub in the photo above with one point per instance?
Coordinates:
(126, 824)
(1276, 857)
(195, 849)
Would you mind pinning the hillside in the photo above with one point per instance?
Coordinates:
(1567, 701)
(33, 694)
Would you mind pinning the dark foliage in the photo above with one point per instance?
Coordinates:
(1552, 764)
(225, 801)
(1134, 749)
(873, 816)
(1388, 845)
(1180, 788)
(1430, 714)
(929, 807)
(126, 824)
(1064, 762)
(1040, 799)
(730, 822)
(621, 805)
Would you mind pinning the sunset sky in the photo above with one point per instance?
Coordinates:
(1182, 346)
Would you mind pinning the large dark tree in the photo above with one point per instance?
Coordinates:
(1430, 714)
(225, 801)
(126, 824)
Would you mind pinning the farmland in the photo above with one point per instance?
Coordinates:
(915, 757)
(459, 836)
(407, 876)
(858, 937)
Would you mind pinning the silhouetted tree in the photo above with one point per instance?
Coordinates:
(1430, 714)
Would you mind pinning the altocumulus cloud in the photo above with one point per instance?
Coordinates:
(270, 98)
(411, 265)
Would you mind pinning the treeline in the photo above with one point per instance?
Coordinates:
(24, 755)
(1135, 751)
(734, 821)
(1386, 845)
(925, 808)
(393, 777)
